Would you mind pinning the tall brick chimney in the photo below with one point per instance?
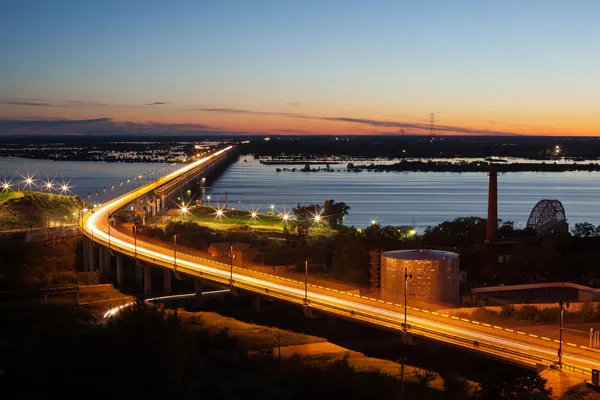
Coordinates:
(492, 219)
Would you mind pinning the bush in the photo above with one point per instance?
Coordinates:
(456, 387)
(424, 376)
(527, 313)
(507, 311)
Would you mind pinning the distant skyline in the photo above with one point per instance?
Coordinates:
(300, 67)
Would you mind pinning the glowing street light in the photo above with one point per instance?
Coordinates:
(373, 221)
(285, 217)
(272, 207)
(6, 185)
(65, 188)
(28, 180)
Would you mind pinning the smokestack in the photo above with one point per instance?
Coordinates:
(492, 219)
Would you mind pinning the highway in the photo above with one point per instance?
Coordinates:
(500, 343)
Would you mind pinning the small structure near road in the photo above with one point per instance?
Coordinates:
(241, 251)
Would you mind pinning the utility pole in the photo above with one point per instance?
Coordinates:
(431, 124)
(402, 360)
(134, 229)
(175, 252)
(407, 276)
(231, 263)
(306, 280)
(560, 343)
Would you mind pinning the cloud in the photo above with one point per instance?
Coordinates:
(26, 103)
(104, 126)
(241, 111)
(294, 104)
(423, 127)
(157, 103)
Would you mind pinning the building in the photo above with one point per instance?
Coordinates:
(241, 251)
(435, 276)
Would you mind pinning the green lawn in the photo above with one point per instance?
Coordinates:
(232, 217)
(6, 196)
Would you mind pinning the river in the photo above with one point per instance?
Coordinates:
(409, 198)
(391, 198)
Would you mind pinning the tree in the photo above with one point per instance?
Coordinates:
(514, 388)
(334, 213)
(455, 386)
(306, 213)
(585, 230)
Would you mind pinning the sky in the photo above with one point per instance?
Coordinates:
(300, 67)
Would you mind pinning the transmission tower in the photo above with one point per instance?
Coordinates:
(431, 124)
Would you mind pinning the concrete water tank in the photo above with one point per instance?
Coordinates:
(435, 276)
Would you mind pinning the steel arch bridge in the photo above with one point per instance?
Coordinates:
(546, 215)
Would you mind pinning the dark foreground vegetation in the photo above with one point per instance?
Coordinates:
(146, 353)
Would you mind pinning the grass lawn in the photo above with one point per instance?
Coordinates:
(250, 336)
(6, 196)
(231, 218)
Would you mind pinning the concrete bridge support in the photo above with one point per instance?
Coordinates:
(102, 260)
(119, 270)
(331, 324)
(138, 274)
(256, 304)
(147, 280)
(167, 281)
(92, 256)
(199, 287)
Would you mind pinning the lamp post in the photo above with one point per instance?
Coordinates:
(407, 276)
(231, 263)
(560, 340)
(175, 252)
(134, 229)
(108, 224)
(306, 280)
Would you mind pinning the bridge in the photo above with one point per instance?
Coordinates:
(315, 298)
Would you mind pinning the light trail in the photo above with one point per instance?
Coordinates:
(115, 310)
(371, 312)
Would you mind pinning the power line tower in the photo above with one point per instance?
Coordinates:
(431, 124)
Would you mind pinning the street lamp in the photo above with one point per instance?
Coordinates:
(306, 280)
(175, 252)
(407, 276)
(231, 263)
(108, 224)
(134, 229)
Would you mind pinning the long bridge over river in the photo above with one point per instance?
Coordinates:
(316, 299)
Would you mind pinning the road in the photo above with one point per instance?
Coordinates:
(505, 344)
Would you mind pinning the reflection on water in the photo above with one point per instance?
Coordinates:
(420, 198)
(394, 198)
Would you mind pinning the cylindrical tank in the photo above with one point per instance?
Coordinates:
(435, 276)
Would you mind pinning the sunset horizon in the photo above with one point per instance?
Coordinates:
(280, 68)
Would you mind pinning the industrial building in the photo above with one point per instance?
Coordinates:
(435, 276)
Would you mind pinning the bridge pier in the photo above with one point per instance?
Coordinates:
(256, 304)
(331, 325)
(92, 256)
(167, 281)
(119, 271)
(199, 288)
(147, 280)
(138, 274)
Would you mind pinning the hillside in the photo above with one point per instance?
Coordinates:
(27, 209)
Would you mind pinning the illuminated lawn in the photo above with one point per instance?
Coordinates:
(6, 196)
(232, 217)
